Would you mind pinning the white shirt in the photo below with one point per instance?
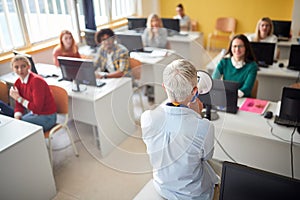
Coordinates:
(270, 38)
(179, 143)
(110, 65)
(184, 21)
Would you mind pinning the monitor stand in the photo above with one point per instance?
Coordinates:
(210, 114)
(77, 87)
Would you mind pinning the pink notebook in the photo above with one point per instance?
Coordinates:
(254, 105)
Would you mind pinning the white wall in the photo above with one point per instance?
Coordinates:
(146, 7)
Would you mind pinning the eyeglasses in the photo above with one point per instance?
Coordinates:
(238, 46)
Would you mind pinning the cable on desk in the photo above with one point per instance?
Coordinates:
(227, 154)
(291, 150)
(271, 130)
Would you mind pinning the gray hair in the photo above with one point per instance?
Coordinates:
(179, 78)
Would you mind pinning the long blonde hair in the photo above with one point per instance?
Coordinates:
(257, 31)
(149, 25)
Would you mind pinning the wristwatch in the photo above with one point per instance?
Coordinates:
(105, 75)
(19, 100)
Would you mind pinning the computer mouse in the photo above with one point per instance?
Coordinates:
(268, 114)
(280, 65)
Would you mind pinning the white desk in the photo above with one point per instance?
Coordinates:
(191, 48)
(152, 71)
(108, 109)
(247, 138)
(285, 48)
(273, 79)
(25, 168)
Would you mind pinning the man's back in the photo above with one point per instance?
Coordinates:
(179, 142)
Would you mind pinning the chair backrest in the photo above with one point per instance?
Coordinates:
(135, 66)
(194, 25)
(61, 99)
(254, 89)
(226, 24)
(4, 92)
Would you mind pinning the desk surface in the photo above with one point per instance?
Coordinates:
(13, 131)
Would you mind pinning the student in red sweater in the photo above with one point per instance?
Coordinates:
(31, 92)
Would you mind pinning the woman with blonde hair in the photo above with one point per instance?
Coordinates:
(263, 32)
(155, 35)
(67, 47)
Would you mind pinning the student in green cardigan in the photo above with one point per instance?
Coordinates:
(238, 65)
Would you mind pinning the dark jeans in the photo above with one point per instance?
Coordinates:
(5, 109)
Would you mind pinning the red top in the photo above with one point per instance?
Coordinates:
(57, 51)
(38, 93)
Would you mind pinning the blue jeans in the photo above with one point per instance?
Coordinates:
(46, 121)
(5, 109)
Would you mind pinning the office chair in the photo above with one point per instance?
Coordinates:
(61, 100)
(135, 67)
(254, 89)
(224, 31)
(4, 92)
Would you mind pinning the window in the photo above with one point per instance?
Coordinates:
(27, 22)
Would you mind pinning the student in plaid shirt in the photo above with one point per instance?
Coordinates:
(113, 60)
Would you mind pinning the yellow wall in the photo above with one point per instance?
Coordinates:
(246, 12)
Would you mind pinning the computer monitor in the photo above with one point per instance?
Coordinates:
(172, 25)
(137, 24)
(264, 53)
(131, 42)
(282, 29)
(90, 38)
(81, 71)
(247, 183)
(223, 96)
(33, 69)
(289, 114)
(294, 59)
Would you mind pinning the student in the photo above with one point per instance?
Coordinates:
(179, 142)
(67, 47)
(113, 58)
(264, 33)
(155, 35)
(31, 92)
(238, 65)
(185, 21)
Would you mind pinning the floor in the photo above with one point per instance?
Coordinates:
(120, 175)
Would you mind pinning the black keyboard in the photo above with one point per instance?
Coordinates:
(286, 122)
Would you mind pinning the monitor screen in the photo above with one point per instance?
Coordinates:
(33, 69)
(90, 37)
(264, 52)
(294, 59)
(131, 42)
(137, 24)
(243, 182)
(171, 24)
(79, 70)
(290, 106)
(223, 96)
(282, 28)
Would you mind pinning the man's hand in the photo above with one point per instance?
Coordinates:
(196, 105)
